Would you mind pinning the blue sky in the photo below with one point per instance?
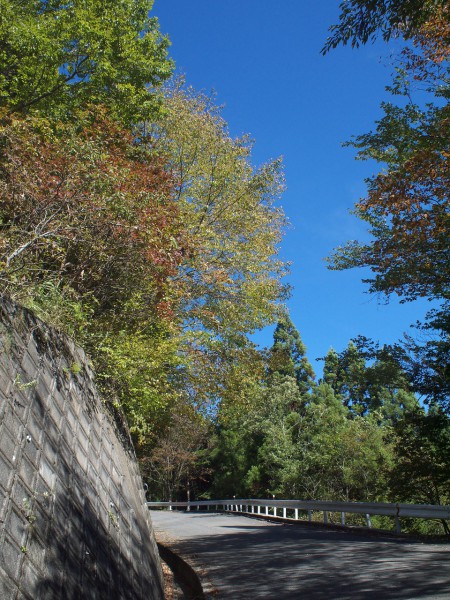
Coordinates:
(263, 61)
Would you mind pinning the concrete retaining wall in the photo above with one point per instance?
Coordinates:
(73, 523)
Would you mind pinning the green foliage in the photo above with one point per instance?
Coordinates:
(229, 281)
(361, 21)
(58, 56)
(422, 450)
(337, 457)
(380, 385)
(287, 355)
(407, 203)
(296, 448)
(427, 362)
(137, 367)
(176, 461)
(231, 271)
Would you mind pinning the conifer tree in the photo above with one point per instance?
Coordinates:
(288, 355)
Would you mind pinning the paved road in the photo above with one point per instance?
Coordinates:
(246, 559)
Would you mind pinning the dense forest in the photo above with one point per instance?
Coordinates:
(133, 221)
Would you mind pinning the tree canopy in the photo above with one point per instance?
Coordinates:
(361, 21)
(407, 205)
(56, 56)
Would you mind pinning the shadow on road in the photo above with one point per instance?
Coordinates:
(290, 562)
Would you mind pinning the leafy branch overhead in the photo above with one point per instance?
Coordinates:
(362, 21)
(407, 206)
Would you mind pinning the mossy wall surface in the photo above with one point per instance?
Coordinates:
(73, 520)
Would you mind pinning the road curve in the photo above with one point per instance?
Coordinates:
(246, 559)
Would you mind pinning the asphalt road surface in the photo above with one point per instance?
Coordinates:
(241, 558)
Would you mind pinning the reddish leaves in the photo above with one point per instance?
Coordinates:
(86, 208)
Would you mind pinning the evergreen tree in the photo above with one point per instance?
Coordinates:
(345, 373)
(330, 368)
(368, 378)
(422, 458)
(288, 355)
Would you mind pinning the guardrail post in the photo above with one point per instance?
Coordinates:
(395, 511)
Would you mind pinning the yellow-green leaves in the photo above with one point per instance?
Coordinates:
(56, 56)
(231, 276)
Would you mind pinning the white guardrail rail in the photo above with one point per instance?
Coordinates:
(290, 509)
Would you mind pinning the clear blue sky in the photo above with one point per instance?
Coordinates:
(262, 58)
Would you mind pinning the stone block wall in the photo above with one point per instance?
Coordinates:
(73, 520)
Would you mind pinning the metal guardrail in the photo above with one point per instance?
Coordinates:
(271, 508)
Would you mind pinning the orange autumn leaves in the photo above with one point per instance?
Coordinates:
(408, 203)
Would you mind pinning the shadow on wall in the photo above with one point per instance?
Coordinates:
(73, 520)
(87, 557)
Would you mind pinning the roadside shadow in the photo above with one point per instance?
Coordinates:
(294, 563)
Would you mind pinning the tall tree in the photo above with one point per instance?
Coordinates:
(370, 379)
(345, 373)
(287, 356)
(229, 281)
(83, 208)
(89, 237)
(407, 203)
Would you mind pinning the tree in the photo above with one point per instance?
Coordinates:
(335, 457)
(85, 209)
(426, 360)
(229, 281)
(56, 56)
(407, 206)
(232, 271)
(89, 237)
(254, 441)
(345, 373)
(422, 467)
(361, 21)
(175, 461)
(288, 355)
(407, 203)
(370, 379)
